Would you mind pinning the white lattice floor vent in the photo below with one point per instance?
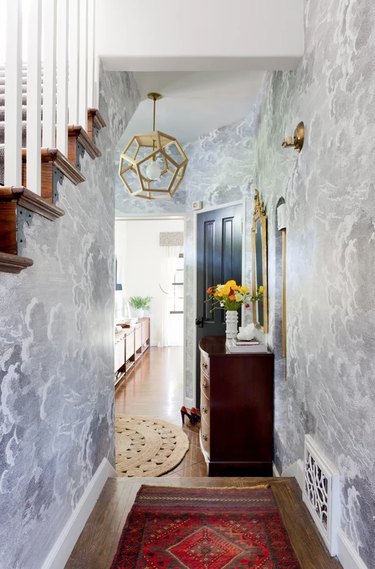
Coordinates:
(321, 493)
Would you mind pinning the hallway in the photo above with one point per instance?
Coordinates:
(154, 389)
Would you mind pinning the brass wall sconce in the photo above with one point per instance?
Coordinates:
(297, 139)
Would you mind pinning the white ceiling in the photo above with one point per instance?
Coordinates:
(194, 103)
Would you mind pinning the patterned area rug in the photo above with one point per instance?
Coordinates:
(205, 528)
(148, 447)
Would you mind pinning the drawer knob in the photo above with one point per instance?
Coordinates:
(205, 437)
(204, 365)
(204, 409)
(204, 385)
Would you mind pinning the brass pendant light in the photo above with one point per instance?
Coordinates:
(152, 164)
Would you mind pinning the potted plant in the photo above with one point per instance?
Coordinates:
(140, 304)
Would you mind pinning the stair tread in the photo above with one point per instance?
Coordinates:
(98, 118)
(2, 123)
(2, 99)
(83, 138)
(24, 112)
(2, 132)
(14, 263)
(2, 87)
(49, 155)
(31, 201)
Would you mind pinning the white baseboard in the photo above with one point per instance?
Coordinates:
(290, 470)
(296, 470)
(60, 552)
(275, 472)
(300, 474)
(347, 554)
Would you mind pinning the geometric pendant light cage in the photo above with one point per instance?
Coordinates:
(152, 164)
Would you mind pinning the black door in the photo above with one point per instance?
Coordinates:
(219, 259)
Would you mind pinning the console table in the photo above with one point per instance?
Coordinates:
(236, 434)
(130, 345)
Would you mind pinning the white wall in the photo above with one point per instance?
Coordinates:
(139, 257)
(196, 35)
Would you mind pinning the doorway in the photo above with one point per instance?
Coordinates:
(150, 263)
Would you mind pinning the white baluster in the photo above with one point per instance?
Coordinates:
(82, 110)
(13, 94)
(49, 74)
(74, 70)
(3, 25)
(34, 86)
(91, 56)
(62, 76)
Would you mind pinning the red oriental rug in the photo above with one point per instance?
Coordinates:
(204, 528)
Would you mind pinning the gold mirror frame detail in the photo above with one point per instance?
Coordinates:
(259, 262)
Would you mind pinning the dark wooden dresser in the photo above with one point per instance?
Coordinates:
(236, 433)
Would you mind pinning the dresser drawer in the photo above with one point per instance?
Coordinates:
(205, 385)
(205, 364)
(205, 436)
(205, 408)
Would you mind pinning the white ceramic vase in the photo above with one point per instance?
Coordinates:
(231, 324)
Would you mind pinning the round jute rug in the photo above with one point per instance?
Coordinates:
(148, 447)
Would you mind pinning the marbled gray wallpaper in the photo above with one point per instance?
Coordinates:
(56, 353)
(330, 197)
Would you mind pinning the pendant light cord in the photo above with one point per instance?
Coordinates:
(153, 126)
(154, 116)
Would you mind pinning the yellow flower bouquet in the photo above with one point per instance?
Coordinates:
(231, 296)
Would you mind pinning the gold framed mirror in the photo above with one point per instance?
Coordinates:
(259, 254)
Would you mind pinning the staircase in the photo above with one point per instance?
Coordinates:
(17, 202)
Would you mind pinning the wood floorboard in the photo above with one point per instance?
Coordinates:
(306, 541)
(104, 525)
(154, 389)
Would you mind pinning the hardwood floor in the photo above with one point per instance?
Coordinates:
(155, 389)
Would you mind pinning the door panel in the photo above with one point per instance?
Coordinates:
(219, 258)
(229, 243)
(209, 263)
